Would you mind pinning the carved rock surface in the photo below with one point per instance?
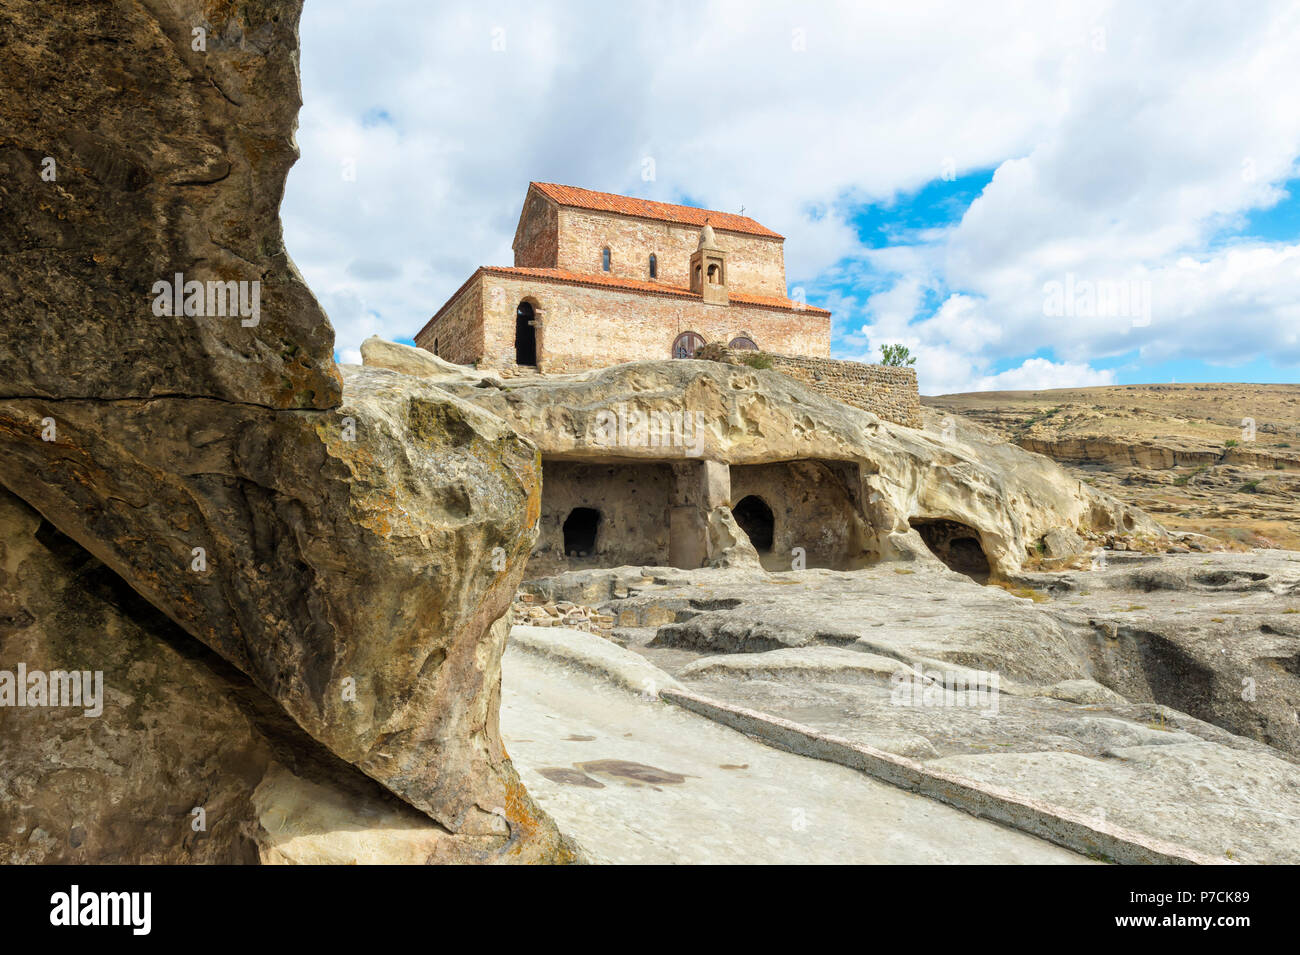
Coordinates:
(377, 352)
(1010, 497)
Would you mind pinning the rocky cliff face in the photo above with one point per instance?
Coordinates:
(184, 759)
(1220, 460)
(353, 547)
(1011, 499)
(129, 156)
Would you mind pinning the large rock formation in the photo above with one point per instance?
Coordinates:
(128, 155)
(352, 550)
(1158, 693)
(354, 564)
(181, 759)
(906, 478)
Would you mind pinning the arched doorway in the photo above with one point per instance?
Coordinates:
(525, 335)
(580, 529)
(687, 344)
(757, 521)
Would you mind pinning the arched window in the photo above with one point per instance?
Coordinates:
(713, 275)
(604, 258)
(687, 344)
(435, 346)
(654, 266)
(743, 342)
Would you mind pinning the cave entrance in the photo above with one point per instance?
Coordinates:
(757, 521)
(957, 545)
(580, 529)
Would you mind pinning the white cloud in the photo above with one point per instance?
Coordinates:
(1124, 137)
(1038, 374)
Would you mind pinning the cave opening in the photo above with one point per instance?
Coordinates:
(580, 529)
(757, 521)
(957, 545)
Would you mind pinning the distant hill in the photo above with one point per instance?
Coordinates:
(1219, 459)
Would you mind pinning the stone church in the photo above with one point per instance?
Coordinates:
(600, 279)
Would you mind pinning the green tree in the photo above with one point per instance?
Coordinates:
(897, 355)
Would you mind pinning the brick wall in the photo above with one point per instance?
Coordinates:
(754, 264)
(458, 334)
(883, 390)
(537, 239)
(582, 328)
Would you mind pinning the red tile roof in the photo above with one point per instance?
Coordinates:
(601, 280)
(649, 209)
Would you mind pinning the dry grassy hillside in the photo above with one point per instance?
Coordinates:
(1185, 453)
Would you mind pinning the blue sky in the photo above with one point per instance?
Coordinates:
(939, 169)
(940, 204)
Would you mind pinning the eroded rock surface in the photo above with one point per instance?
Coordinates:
(126, 157)
(637, 781)
(180, 759)
(352, 549)
(355, 564)
(1008, 498)
(1119, 693)
(1213, 635)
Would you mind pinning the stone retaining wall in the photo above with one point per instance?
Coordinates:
(884, 390)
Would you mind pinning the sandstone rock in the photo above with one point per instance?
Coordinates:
(353, 553)
(728, 544)
(1210, 635)
(1085, 718)
(1061, 542)
(588, 652)
(176, 729)
(823, 664)
(118, 786)
(304, 822)
(121, 169)
(1240, 806)
(377, 352)
(730, 798)
(355, 564)
(1009, 498)
(1082, 691)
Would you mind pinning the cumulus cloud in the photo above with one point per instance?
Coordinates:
(1126, 140)
(1038, 374)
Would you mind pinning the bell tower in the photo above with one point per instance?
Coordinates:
(709, 269)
